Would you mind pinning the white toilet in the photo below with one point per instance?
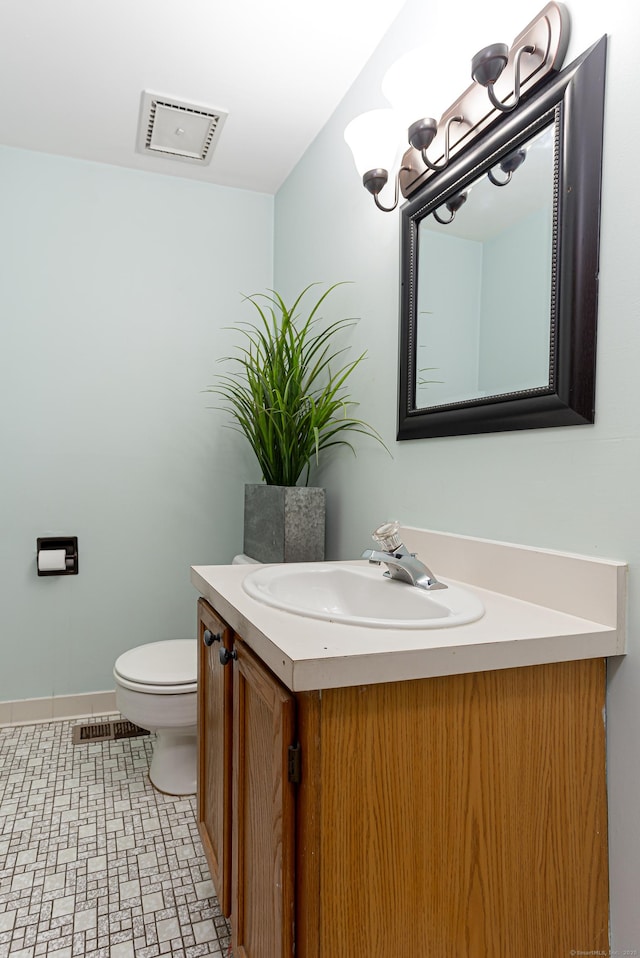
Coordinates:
(156, 688)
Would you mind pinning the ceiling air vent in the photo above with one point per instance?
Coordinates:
(178, 130)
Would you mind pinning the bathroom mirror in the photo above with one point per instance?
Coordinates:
(500, 270)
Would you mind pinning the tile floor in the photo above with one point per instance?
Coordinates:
(93, 861)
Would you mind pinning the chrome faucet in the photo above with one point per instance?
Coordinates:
(401, 563)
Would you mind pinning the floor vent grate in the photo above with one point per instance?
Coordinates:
(106, 732)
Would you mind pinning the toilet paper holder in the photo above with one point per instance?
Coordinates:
(56, 544)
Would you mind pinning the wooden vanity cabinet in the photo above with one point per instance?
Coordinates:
(215, 704)
(246, 801)
(454, 817)
(264, 813)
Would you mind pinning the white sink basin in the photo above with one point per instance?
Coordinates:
(360, 595)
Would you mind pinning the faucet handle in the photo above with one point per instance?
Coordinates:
(386, 536)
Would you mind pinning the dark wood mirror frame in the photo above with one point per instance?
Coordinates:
(574, 100)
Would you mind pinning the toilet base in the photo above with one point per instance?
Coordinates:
(173, 765)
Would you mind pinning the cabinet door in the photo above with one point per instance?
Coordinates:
(215, 713)
(262, 917)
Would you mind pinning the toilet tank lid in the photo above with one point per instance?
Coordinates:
(171, 662)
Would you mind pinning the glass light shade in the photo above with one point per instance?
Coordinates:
(374, 139)
(406, 86)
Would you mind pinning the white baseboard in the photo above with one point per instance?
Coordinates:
(57, 707)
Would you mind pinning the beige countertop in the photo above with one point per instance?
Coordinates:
(307, 653)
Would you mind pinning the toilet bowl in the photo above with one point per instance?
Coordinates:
(156, 688)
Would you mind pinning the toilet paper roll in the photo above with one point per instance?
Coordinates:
(52, 560)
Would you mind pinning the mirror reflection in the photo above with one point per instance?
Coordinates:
(484, 282)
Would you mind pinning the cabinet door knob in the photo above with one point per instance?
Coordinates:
(210, 637)
(226, 655)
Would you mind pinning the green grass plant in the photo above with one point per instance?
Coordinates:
(286, 391)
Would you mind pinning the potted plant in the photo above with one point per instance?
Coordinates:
(286, 393)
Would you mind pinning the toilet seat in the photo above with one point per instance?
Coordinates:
(169, 667)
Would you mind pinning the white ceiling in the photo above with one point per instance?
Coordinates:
(72, 73)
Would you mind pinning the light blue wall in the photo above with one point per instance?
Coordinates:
(573, 489)
(448, 317)
(516, 293)
(114, 288)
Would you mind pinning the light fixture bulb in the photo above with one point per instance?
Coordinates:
(374, 139)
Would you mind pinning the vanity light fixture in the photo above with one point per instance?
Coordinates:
(508, 165)
(375, 180)
(487, 66)
(453, 205)
(422, 133)
(506, 74)
(373, 138)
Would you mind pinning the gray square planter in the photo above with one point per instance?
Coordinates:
(284, 523)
